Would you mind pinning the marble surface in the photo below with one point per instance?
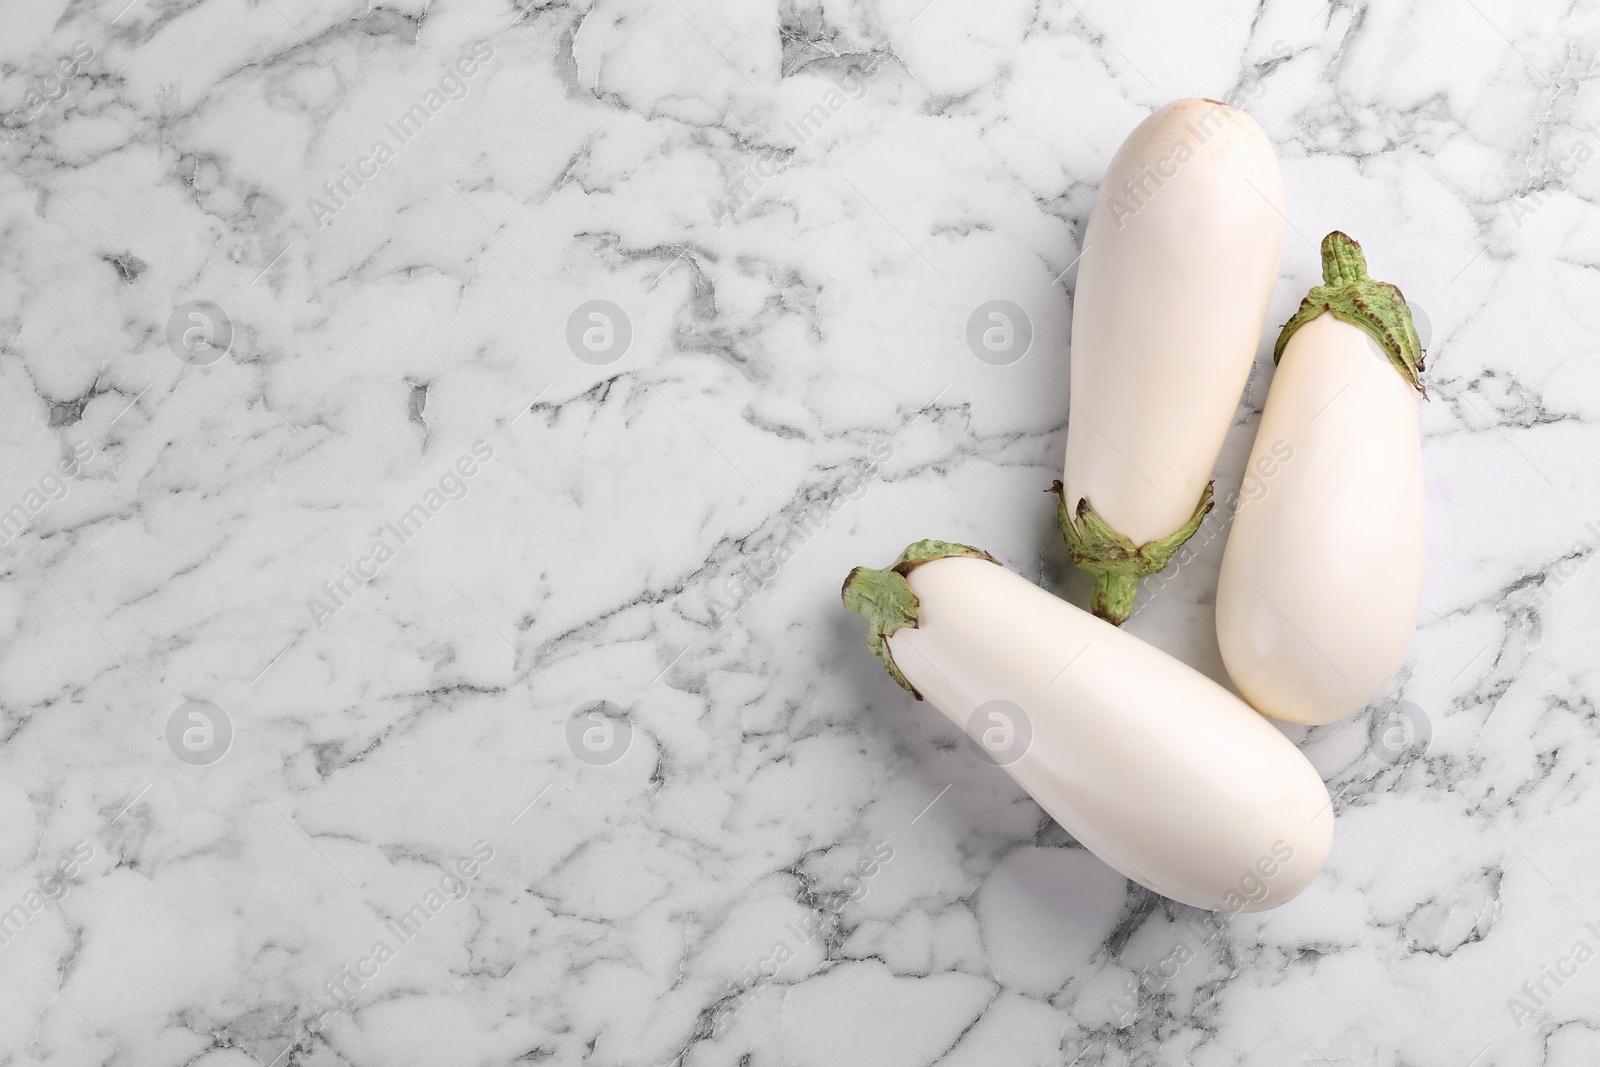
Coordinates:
(586, 764)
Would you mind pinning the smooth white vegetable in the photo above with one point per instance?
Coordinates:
(1155, 768)
(1321, 581)
(1179, 260)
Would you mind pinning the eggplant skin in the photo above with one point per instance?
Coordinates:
(1321, 580)
(1180, 258)
(1159, 771)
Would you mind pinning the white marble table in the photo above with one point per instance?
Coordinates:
(283, 282)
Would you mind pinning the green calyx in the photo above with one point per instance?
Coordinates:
(1115, 562)
(1349, 294)
(884, 598)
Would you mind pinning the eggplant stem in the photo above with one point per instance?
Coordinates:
(1350, 295)
(1113, 596)
(1114, 561)
(884, 598)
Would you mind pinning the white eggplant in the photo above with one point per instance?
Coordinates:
(1180, 256)
(1321, 581)
(1156, 769)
